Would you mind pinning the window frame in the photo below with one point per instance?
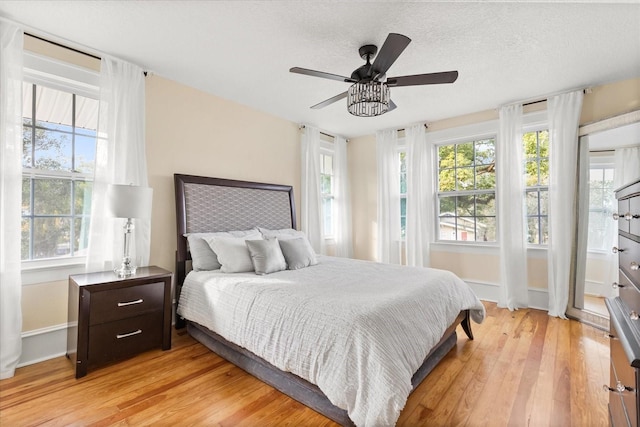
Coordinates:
(327, 148)
(59, 75)
(534, 122)
(456, 193)
(602, 163)
(402, 148)
(454, 135)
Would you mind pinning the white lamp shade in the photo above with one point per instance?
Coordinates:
(129, 201)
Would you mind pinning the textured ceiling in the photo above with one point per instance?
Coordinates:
(242, 51)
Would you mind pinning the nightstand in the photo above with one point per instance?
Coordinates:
(112, 318)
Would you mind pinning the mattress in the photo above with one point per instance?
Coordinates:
(357, 329)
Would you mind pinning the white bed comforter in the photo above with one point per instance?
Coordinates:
(357, 329)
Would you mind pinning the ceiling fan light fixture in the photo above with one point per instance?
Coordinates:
(368, 99)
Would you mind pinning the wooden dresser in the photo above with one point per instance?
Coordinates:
(112, 318)
(624, 311)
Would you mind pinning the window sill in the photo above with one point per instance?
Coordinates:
(51, 270)
(465, 247)
(538, 251)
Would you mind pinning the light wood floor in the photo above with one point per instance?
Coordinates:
(523, 369)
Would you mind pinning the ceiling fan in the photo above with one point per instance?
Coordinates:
(369, 95)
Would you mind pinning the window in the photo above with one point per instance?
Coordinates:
(403, 194)
(536, 158)
(59, 145)
(466, 191)
(326, 193)
(601, 203)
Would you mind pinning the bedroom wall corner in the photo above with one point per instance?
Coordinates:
(364, 196)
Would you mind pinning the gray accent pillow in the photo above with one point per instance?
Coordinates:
(266, 256)
(298, 253)
(202, 256)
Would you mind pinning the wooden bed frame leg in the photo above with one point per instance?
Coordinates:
(466, 325)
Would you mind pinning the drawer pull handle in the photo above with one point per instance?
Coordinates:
(634, 315)
(130, 334)
(615, 250)
(616, 285)
(124, 304)
(634, 266)
(628, 216)
(620, 388)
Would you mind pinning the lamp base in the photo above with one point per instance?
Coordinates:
(125, 270)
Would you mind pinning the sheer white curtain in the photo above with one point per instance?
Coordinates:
(342, 200)
(311, 206)
(511, 210)
(120, 159)
(420, 196)
(564, 116)
(11, 40)
(388, 244)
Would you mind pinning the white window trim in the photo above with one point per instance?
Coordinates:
(453, 136)
(537, 120)
(45, 71)
(533, 122)
(327, 148)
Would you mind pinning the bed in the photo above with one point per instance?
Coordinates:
(343, 355)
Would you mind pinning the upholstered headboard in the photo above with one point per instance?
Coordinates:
(213, 204)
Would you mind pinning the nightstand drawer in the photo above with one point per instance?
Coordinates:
(121, 303)
(123, 338)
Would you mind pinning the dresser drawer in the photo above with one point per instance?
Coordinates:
(623, 372)
(123, 338)
(628, 293)
(629, 255)
(115, 304)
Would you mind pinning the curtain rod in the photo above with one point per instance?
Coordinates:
(537, 101)
(426, 126)
(321, 133)
(63, 46)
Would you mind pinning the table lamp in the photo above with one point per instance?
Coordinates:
(128, 201)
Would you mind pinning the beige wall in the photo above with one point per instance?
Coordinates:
(601, 103)
(191, 132)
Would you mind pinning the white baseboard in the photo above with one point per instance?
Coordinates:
(538, 298)
(43, 344)
(597, 289)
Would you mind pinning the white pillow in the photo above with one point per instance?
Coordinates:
(282, 234)
(232, 253)
(298, 253)
(202, 256)
(266, 255)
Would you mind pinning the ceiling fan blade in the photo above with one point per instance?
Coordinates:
(322, 74)
(392, 106)
(330, 101)
(423, 79)
(393, 46)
